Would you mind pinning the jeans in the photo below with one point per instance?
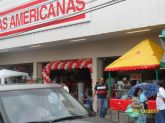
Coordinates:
(140, 119)
(160, 116)
(102, 106)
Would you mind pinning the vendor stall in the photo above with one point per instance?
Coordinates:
(7, 74)
(145, 56)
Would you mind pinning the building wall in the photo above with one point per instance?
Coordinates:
(129, 14)
(7, 4)
(90, 49)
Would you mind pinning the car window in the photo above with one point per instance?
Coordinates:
(39, 105)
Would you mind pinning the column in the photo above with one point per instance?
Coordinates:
(94, 79)
(100, 67)
(37, 70)
(34, 70)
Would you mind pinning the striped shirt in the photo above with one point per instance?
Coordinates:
(101, 90)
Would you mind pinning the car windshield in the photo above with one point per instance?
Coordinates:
(39, 105)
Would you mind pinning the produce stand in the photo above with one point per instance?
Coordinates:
(145, 56)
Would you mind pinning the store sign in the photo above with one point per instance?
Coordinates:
(39, 14)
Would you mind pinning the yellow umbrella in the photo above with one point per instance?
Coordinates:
(146, 55)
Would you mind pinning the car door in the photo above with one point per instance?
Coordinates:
(3, 116)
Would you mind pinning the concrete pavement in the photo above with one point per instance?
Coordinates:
(123, 118)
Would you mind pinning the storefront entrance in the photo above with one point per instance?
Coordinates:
(72, 78)
(76, 74)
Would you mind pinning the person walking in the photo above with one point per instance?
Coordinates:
(101, 91)
(160, 104)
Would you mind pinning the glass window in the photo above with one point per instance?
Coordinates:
(39, 105)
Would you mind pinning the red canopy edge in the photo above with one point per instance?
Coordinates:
(130, 68)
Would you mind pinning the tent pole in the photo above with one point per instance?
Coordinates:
(157, 73)
(110, 87)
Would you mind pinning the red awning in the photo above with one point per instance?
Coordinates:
(69, 64)
(146, 67)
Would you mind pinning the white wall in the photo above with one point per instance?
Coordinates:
(122, 16)
(100, 48)
(7, 4)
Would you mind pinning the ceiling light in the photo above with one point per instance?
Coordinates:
(77, 40)
(36, 46)
(138, 31)
(2, 51)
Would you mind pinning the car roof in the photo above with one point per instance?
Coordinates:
(10, 87)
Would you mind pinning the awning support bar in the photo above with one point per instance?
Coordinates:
(110, 83)
(157, 73)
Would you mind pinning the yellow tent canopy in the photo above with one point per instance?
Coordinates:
(146, 55)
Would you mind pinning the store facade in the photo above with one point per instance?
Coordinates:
(45, 31)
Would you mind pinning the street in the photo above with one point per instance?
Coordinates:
(123, 117)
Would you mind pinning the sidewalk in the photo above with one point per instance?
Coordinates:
(123, 117)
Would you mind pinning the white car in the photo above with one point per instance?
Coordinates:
(41, 103)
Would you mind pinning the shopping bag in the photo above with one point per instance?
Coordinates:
(132, 112)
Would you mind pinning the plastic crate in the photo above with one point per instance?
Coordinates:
(115, 104)
(125, 103)
(152, 104)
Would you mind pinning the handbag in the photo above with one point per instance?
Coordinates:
(131, 112)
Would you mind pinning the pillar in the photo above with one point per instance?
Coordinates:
(34, 70)
(100, 67)
(94, 79)
(37, 70)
